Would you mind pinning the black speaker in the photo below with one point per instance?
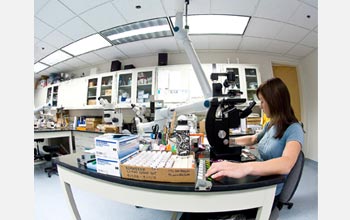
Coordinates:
(162, 59)
(116, 65)
(129, 66)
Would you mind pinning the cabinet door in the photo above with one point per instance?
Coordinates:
(106, 88)
(92, 91)
(144, 88)
(52, 95)
(252, 83)
(40, 97)
(125, 92)
(196, 92)
(72, 93)
(173, 83)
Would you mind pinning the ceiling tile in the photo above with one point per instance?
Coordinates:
(76, 63)
(276, 9)
(230, 7)
(79, 6)
(149, 9)
(224, 42)
(170, 7)
(300, 51)
(91, 58)
(76, 29)
(254, 44)
(313, 3)
(103, 17)
(36, 40)
(55, 14)
(279, 47)
(161, 45)
(199, 7)
(291, 33)
(48, 71)
(110, 53)
(200, 42)
(57, 39)
(41, 29)
(39, 4)
(310, 40)
(300, 17)
(134, 49)
(42, 49)
(258, 27)
(63, 67)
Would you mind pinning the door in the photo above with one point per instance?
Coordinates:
(288, 74)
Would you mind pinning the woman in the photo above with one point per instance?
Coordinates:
(279, 143)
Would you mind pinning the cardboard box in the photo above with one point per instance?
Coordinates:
(110, 149)
(202, 126)
(176, 175)
(91, 123)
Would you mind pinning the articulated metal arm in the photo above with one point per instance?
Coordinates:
(181, 35)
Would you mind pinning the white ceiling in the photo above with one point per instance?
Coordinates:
(278, 27)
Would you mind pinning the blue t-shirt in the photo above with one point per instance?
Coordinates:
(270, 147)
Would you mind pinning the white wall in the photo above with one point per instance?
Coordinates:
(308, 79)
(307, 73)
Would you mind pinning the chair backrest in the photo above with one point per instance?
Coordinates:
(292, 181)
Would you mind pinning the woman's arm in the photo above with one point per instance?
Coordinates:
(244, 140)
(281, 165)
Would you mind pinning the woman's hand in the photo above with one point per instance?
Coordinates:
(218, 170)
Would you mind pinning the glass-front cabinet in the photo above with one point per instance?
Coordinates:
(247, 79)
(252, 83)
(52, 94)
(100, 86)
(125, 82)
(106, 88)
(135, 86)
(91, 98)
(144, 86)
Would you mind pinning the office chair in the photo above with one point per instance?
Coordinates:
(37, 154)
(54, 151)
(289, 187)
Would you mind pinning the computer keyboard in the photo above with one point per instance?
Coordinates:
(203, 183)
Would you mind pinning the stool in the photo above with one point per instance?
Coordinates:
(37, 154)
(54, 152)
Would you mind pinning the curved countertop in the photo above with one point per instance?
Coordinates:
(227, 184)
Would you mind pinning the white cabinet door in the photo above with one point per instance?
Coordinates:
(72, 93)
(173, 83)
(40, 97)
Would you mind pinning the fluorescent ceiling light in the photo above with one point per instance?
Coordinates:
(55, 57)
(39, 67)
(216, 24)
(87, 44)
(140, 31)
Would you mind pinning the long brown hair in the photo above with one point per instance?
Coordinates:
(277, 96)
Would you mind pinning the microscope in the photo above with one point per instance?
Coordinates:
(224, 115)
(110, 115)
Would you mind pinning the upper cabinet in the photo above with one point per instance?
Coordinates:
(52, 95)
(100, 85)
(72, 93)
(170, 83)
(247, 80)
(179, 83)
(135, 86)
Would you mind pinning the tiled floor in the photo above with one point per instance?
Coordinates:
(50, 204)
